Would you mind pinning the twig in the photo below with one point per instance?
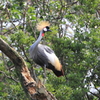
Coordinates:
(10, 77)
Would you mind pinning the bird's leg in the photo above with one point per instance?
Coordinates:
(44, 74)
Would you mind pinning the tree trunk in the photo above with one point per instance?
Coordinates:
(33, 90)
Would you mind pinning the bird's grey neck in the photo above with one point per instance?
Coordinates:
(39, 39)
(33, 48)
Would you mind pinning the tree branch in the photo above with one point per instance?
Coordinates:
(36, 91)
(10, 77)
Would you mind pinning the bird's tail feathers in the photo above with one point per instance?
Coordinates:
(58, 73)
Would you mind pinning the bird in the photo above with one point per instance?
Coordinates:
(43, 55)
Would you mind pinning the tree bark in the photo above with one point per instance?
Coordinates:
(34, 91)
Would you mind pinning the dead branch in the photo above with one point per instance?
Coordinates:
(33, 90)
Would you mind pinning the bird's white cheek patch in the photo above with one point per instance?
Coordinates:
(45, 29)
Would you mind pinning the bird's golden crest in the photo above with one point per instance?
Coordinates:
(42, 24)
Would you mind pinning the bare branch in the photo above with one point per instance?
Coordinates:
(36, 91)
(10, 77)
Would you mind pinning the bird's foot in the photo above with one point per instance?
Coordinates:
(44, 81)
(44, 78)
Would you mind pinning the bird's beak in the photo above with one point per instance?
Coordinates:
(49, 30)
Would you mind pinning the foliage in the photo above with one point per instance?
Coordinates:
(78, 55)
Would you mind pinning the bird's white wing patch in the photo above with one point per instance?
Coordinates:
(53, 60)
(51, 57)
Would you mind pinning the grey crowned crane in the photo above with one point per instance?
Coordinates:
(44, 55)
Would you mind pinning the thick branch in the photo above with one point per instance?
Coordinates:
(36, 91)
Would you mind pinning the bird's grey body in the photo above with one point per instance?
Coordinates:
(39, 55)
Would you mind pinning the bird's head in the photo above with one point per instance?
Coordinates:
(43, 26)
(46, 29)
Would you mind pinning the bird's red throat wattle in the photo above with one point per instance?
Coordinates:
(42, 34)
